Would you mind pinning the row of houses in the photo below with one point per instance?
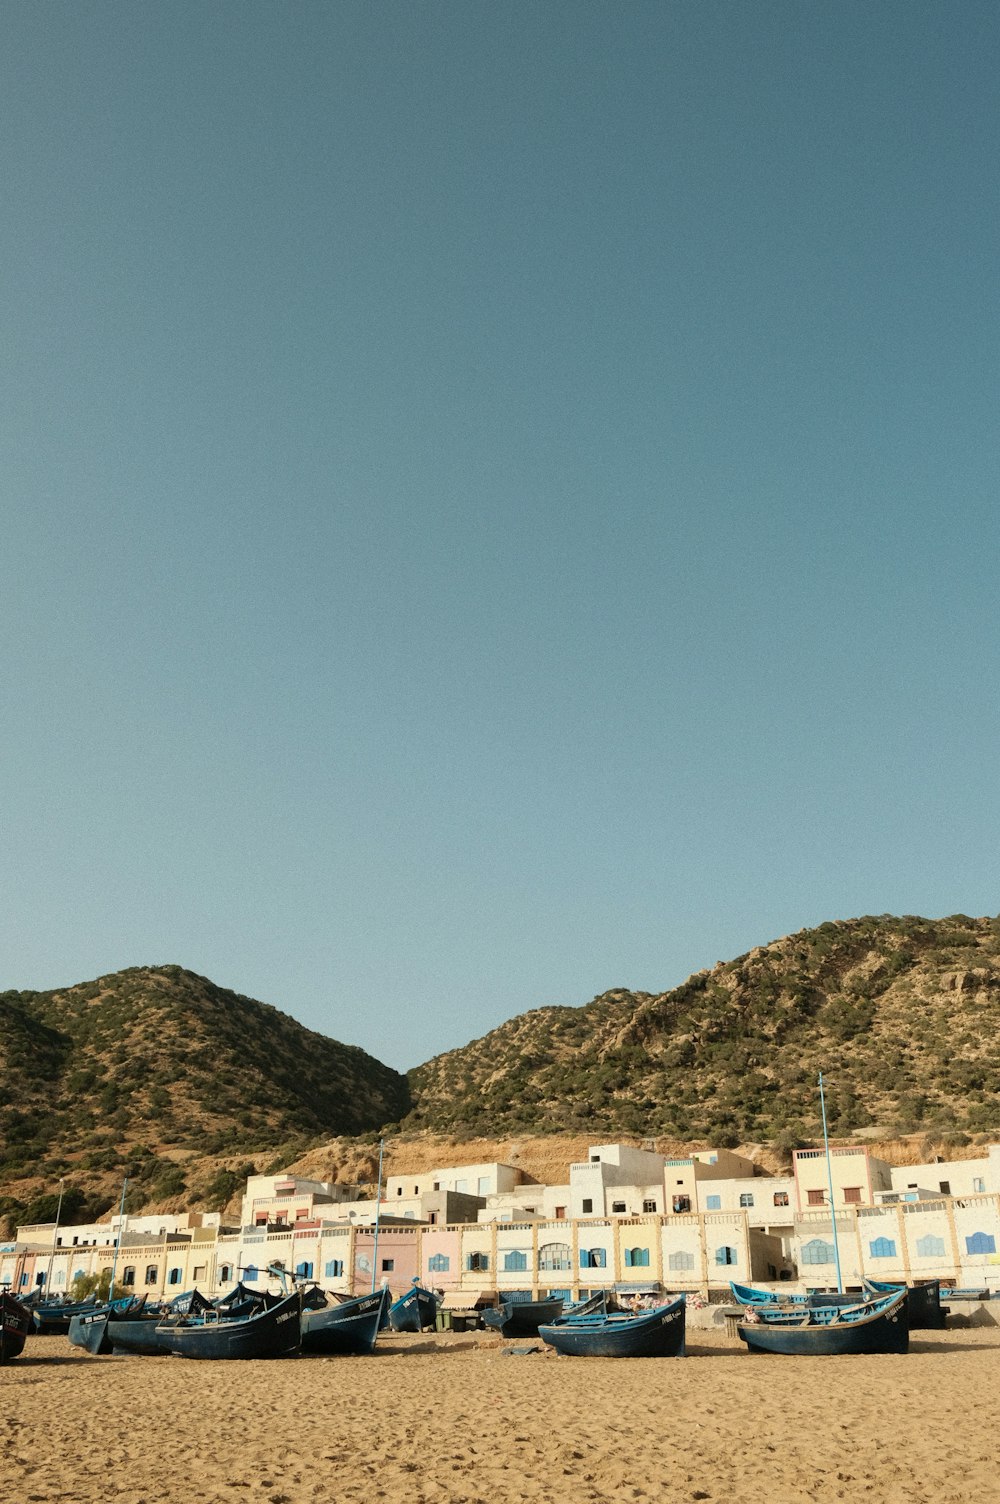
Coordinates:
(478, 1230)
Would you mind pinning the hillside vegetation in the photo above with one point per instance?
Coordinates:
(901, 1015)
(159, 1074)
(186, 1087)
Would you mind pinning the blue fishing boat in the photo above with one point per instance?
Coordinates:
(15, 1324)
(272, 1333)
(522, 1318)
(752, 1295)
(874, 1326)
(94, 1330)
(351, 1327)
(923, 1302)
(413, 1311)
(649, 1334)
(52, 1320)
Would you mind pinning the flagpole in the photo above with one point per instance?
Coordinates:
(829, 1181)
(55, 1234)
(118, 1241)
(378, 1211)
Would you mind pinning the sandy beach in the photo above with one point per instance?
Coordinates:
(467, 1420)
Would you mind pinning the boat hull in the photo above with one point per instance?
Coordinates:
(53, 1321)
(923, 1303)
(15, 1324)
(275, 1333)
(886, 1330)
(522, 1318)
(413, 1311)
(349, 1328)
(652, 1334)
(97, 1332)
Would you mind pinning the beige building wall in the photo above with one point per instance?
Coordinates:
(959, 1177)
(857, 1175)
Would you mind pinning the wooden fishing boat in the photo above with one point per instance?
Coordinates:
(413, 1311)
(94, 1330)
(15, 1324)
(753, 1296)
(273, 1333)
(53, 1320)
(350, 1327)
(649, 1334)
(874, 1326)
(240, 1295)
(522, 1318)
(923, 1303)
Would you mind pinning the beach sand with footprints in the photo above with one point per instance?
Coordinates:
(456, 1419)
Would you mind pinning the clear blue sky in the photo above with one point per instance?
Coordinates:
(499, 499)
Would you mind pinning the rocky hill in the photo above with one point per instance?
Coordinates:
(901, 1015)
(161, 1074)
(187, 1087)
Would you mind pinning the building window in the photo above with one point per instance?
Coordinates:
(945, 1187)
(334, 1269)
(981, 1242)
(555, 1256)
(152, 1274)
(477, 1263)
(680, 1261)
(649, 1206)
(746, 1198)
(388, 1265)
(250, 1274)
(174, 1277)
(439, 1263)
(515, 1262)
(930, 1247)
(260, 1219)
(978, 1185)
(816, 1198)
(593, 1258)
(713, 1203)
(304, 1270)
(637, 1258)
(726, 1255)
(560, 1214)
(128, 1276)
(588, 1205)
(781, 1198)
(882, 1248)
(852, 1193)
(682, 1203)
(617, 1206)
(225, 1274)
(817, 1251)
